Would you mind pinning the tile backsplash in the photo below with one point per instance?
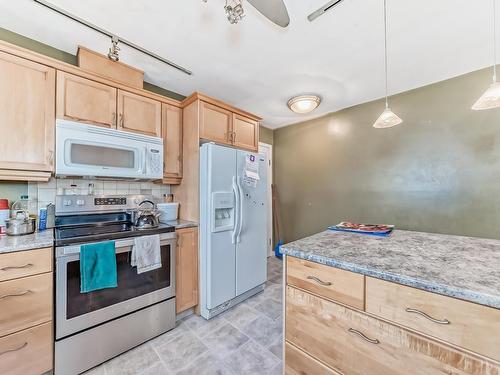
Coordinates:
(45, 192)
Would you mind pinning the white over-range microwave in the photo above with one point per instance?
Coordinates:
(93, 151)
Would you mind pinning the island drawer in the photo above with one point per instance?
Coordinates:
(28, 352)
(357, 344)
(465, 324)
(329, 282)
(299, 363)
(25, 302)
(25, 263)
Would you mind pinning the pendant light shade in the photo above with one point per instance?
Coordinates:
(491, 97)
(387, 119)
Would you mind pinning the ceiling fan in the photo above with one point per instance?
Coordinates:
(274, 10)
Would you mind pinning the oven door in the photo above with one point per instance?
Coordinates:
(77, 311)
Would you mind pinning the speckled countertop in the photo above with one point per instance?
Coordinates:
(180, 224)
(10, 244)
(463, 267)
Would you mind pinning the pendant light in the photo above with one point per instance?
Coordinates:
(388, 118)
(491, 97)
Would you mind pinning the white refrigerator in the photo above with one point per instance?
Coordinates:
(233, 227)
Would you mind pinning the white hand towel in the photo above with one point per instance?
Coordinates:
(146, 253)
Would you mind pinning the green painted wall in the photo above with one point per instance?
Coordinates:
(266, 135)
(438, 172)
(13, 190)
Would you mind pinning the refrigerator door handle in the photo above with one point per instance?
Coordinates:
(236, 191)
(240, 210)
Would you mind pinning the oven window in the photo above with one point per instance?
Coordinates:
(130, 284)
(102, 156)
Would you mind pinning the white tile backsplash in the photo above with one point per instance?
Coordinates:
(45, 192)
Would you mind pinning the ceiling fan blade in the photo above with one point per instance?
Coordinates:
(274, 10)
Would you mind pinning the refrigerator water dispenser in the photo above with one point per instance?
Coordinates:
(222, 211)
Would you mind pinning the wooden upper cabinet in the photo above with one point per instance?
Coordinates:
(245, 133)
(139, 114)
(83, 100)
(27, 117)
(216, 123)
(186, 269)
(172, 141)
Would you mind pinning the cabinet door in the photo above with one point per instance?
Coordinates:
(172, 141)
(139, 114)
(245, 133)
(83, 100)
(186, 269)
(299, 363)
(215, 123)
(27, 118)
(358, 344)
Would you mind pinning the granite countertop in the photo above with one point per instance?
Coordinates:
(10, 244)
(180, 224)
(463, 267)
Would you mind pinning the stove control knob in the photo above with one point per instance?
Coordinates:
(80, 202)
(67, 202)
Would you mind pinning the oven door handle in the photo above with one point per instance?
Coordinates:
(121, 246)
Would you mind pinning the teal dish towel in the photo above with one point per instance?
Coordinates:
(97, 266)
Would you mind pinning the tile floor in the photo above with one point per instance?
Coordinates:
(243, 340)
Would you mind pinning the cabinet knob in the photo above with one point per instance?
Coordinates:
(122, 120)
(427, 316)
(50, 157)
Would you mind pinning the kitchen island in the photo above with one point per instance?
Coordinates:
(411, 303)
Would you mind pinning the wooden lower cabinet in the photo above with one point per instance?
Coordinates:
(299, 363)
(466, 324)
(25, 302)
(357, 344)
(186, 269)
(28, 352)
(25, 263)
(331, 283)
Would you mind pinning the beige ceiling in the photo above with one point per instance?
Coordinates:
(257, 66)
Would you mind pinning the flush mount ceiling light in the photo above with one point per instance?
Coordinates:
(491, 97)
(304, 103)
(388, 118)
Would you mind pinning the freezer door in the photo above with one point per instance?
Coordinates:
(217, 211)
(251, 249)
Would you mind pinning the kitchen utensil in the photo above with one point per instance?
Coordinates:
(168, 211)
(146, 217)
(20, 225)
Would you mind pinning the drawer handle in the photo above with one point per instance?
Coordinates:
(27, 265)
(319, 281)
(360, 334)
(15, 349)
(414, 311)
(16, 294)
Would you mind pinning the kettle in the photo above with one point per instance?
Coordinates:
(146, 218)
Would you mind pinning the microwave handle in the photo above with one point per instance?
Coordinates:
(144, 163)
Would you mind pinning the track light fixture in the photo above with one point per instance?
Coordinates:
(114, 49)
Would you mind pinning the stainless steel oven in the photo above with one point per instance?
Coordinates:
(91, 328)
(77, 311)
